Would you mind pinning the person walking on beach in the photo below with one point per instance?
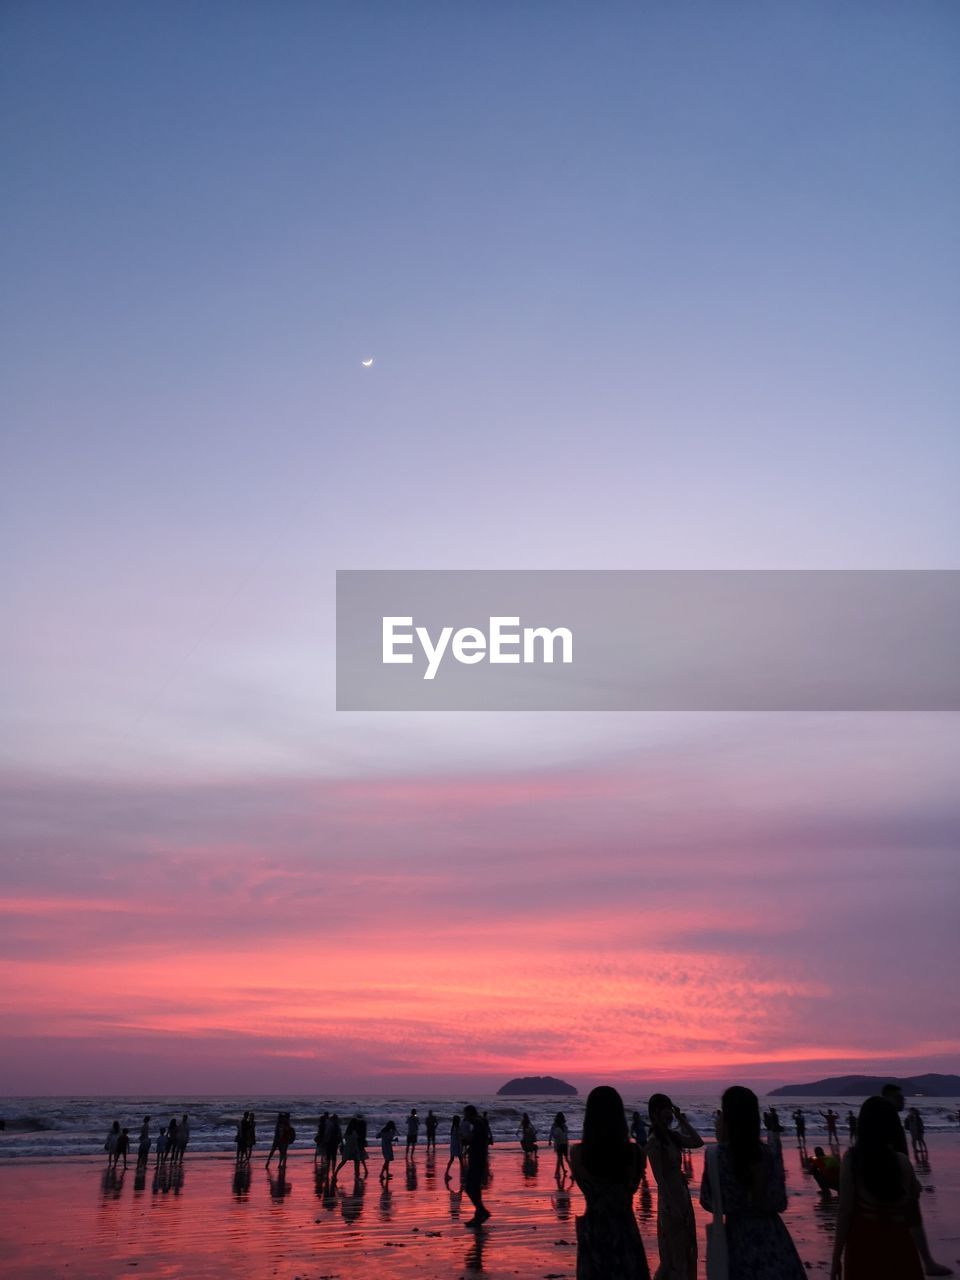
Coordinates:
(879, 1192)
(162, 1142)
(606, 1167)
(753, 1193)
(123, 1147)
(413, 1133)
(331, 1139)
(560, 1141)
(477, 1153)
(351, 1150)
(915, 1127)
(361, 1132)
(893, 1093)
(456, 1148)
(387, 1136)
(112, 1144)
(676, 1225)
(852, 1126)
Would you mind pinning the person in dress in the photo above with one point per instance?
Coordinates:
(351, 1149)
(754, 1194)
(606, 1167)
(879, 1192)
(560, 1141)
(456, 1148)
(676, 1225)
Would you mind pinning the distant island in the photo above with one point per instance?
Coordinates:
(928, 1086)
(527, 1086)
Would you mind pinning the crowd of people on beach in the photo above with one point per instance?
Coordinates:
(171, 1144)
(879, 1236)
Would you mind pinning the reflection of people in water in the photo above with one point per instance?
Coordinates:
(676, 1226)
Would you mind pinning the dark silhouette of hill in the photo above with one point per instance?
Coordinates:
(929, 1086)
(527, 1086)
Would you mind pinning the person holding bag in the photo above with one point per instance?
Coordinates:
(743, 1182)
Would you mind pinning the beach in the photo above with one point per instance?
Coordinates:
(68, 1216)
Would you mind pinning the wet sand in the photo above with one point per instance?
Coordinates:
(65, 1217)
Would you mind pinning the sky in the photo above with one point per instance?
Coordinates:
(645, 287)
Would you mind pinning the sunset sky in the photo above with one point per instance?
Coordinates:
(646, 287)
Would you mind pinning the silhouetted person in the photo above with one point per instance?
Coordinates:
(852, 1126)
(560, 1141)
(676, 1225)
(878, 1195)
(527, 1135)
(754, 1194)
(831, 1118)
(143, 1143)
(606, 1168)
(474, 1134)
(318, 1137)
(361, 1131)
(917, 1130)
(112, 1144)
(430, 1124)
(387, 1136)
(123, 1147)
(351, 1149)
(183, 1137)
(331, 1139)
(162, 1143)
(800, 1124)
(241, 1139)
(893, 1094)
(413, 1132)
(456, 1149)
(278, 1132)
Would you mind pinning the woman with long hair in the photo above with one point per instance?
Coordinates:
(606, 1167)
(878, 1191)
(676, 1225)
(754, 1194)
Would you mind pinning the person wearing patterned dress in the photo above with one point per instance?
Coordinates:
(754, 1194)
(606, 1167)
(676, 1225)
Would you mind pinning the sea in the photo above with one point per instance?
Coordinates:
(38, 1128)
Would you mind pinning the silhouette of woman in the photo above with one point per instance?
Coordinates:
(676, 1225)
(387, 1136)
(878, 1191)
(606, 1167)
(456, 1148)
(754, 1194)
(560, 1141)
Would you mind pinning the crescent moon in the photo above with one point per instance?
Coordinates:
(367, 363)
